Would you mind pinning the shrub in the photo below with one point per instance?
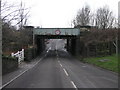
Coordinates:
(30, 53)
(9, 64)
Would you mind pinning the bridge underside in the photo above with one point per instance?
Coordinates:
(56, 36)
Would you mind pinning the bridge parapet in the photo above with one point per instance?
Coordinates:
(56, 31)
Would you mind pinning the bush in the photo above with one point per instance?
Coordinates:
(30, 53)
(9, 64)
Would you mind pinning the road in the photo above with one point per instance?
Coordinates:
(58, 69)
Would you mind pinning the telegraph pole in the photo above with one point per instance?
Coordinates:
(119, 14)
(0, 48)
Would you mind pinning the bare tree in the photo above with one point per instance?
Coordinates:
(23, 16)
(83, 16)
(104, 18)
(92, 19)
(15, 14)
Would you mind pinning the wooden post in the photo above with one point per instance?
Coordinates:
(33, 40)
(22, 54)
(117, 46)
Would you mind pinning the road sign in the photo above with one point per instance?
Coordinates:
(57, 32)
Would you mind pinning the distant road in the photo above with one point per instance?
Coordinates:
(59, 70)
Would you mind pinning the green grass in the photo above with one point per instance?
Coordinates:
(111, 64)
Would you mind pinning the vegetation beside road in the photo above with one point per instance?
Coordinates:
(106, 62)
(9, 64)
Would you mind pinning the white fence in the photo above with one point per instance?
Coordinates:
(19, 55)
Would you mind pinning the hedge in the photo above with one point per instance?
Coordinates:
(9, 64)
(30, 53)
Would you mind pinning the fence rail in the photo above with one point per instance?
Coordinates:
(19, 55)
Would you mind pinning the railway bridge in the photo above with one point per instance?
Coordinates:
(71, 34)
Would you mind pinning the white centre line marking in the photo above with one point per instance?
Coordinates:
(65, 72)
(83, 66)
(60, 64)
(73, 84)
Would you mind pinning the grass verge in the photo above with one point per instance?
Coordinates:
(107, 62)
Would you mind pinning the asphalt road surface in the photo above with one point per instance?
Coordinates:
(59, 70)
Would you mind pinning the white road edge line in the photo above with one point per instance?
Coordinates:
(13, 79)
(73, 84)
(19, 75)
(56, 53)
(48, 49)
(65, 72)
(56, 47)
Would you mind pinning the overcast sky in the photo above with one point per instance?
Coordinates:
(60, 13)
